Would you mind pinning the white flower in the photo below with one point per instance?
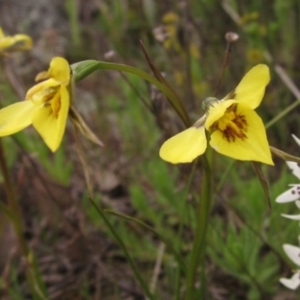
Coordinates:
(292, 283)
(293, 253)
(293, 217)
(296, 139)
(293, 193)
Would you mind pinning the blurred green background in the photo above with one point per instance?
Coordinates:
(76, 254)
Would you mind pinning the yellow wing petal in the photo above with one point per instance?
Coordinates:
(16, 117)
(254, 147)
(60, 70)
(50, 127)
(252, 87)
(185, 146)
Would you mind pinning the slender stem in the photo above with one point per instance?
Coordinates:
(183, 208)
(16, 215)
(224, 64)
(135, 90)
(83, 69)
(159, 235)
(197, 254)
(177, 104)
(186, 47)
(283, 113)
(106, 221)
(13, 211)
(122, 245)
(285, 156)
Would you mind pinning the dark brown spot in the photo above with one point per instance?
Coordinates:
(230, 133)
(232, 107)
(49, 93)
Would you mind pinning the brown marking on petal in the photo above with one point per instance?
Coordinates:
(236, 124)
(230, 134)
(54, 100)
(233, 107)
(214, 127)
(49, 93)
(55, 105)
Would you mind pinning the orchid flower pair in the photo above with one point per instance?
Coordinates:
(236, 129)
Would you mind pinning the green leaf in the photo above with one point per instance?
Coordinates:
(84, 68)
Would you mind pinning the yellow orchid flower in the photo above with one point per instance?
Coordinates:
(46, 106)
(236, 129)
(16, 42)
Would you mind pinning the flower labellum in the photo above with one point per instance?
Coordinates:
(236, 130)
(46, 106)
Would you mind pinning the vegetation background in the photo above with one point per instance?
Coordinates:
(76, 253)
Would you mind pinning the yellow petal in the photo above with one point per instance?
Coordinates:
(185, 146)
(50, 127)
(60, 70)
(252, 87)
(21, 42)
(16, 117)
(5, 43)
(17, 42)
(253, 147)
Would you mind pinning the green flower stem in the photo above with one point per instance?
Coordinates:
(184, 209)
(85, 68)
(198, 250)
(105, 219)
(283, 113)
(161, 237)
(13, 212)
(122, 245)
(283, 155)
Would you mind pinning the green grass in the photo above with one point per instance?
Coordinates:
(244, 256)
